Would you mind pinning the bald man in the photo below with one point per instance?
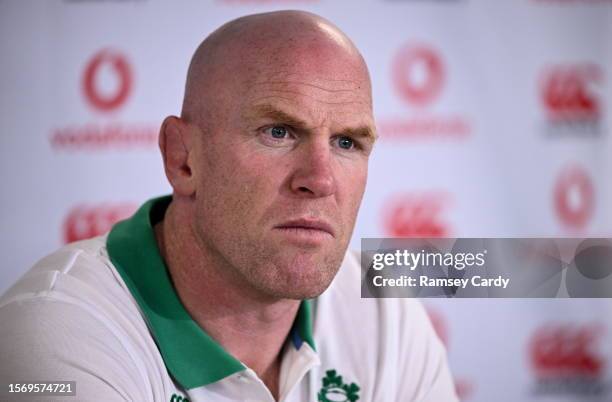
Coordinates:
(238, 286)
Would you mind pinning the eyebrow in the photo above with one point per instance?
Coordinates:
(274, 113)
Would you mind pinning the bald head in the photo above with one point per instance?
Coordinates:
(264, 47)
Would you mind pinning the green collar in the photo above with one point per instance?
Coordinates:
(193, 358)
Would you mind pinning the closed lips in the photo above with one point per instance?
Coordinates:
(307, 225)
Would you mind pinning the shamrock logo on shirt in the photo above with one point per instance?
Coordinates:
(335, 390)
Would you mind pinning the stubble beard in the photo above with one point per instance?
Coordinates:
(290, 273)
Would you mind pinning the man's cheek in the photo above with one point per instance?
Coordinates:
(354, 188)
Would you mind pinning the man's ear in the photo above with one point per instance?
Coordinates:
(176, 146)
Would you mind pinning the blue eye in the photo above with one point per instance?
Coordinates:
(278, 132)
(345, 143)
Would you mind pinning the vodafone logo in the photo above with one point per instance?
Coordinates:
(574, 197)
(106, 84)
(418, 73)
(413, 215)
(567, 92)
(84, 222)
(107, 80)
(566, 350)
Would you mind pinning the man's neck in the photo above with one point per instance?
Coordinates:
(251, 328)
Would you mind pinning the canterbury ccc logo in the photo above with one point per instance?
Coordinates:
(178, 398)
(567, 93)
(116, 63)
(416, 215)
(566, 350)
(418, 73)
(87, 221)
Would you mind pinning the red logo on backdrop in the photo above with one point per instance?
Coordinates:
(566, 350)
(463, 387)
(115, 62)
(569, 97)
(417, 215)
(574, 197)
(567, 92)
(419, 74)
(84, 222)
(106, 83)
(566, 360)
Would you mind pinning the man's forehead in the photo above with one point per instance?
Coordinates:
(336, 75)
(319, 63)
(305, 89)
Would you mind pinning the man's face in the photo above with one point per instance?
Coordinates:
(281, 173)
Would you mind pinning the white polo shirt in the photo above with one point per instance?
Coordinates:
(104, 313)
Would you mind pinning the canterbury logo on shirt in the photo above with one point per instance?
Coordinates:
(178, 398)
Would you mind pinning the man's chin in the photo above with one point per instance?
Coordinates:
(300, 279)
(297, 292)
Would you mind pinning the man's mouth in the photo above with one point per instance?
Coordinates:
(307, 229)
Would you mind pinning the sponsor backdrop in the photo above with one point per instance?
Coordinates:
(494, 119)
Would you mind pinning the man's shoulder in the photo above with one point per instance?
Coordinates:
(75, 272)
(72, 315)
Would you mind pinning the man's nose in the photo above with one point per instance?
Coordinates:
(313, 175)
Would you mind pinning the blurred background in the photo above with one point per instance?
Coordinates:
(494, 121)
